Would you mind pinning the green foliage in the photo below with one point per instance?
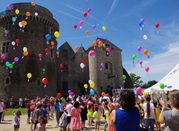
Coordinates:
(23, 111)
(149, 84)
(136, 80)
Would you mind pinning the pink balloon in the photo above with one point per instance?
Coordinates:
(107, 49)
(93, 52)
(81, 23)
(139, 90)
(40, 55)
(140, 62)
(98, 40)
(3, 57)
(147, 69)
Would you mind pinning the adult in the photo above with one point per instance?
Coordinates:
(37, 113)
(83, 113)
(52, 108)
(20, 102)
(28, 111)
(1, 109)
(78, 98)
(12, 102)
(57, 111)
(26, 100)
(126, 118)
(170, 117)
(68, 109)
(149, 114)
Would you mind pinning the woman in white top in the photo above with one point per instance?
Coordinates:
(149, 114)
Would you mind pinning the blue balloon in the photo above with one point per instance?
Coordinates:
(73, 96)
(58, 50)
(92, 92)
(4, 12)
(7, 64)
(98, 25)
(140, 24)
(48, 36)
(14, 19)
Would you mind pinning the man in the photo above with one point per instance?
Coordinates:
(46, 101)
(1, 109)
(78, 98)
(20, 102)
(12, 102)
(68, 109)
(57, 111)
(38, 112)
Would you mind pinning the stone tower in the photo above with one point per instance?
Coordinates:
(15, 83)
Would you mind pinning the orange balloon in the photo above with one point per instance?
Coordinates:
(23, 23)
(57, 53)
(87, 32)
(100, 43)
(94, 43)
(52, 43)
(28, 14)
(77, 48)
(33, 3)
(25, 53)
(103, 94)
(146, 52)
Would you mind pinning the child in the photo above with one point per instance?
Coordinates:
(28, 111)
(31, 117)
(44, 110)
(90, 113)
(97, 118)
(106, 111)
(17, 114)
(157, 111)
(37, 113)
(41, 126)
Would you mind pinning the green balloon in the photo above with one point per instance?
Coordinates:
(10, 66)
(124, 77)
(62, 99)
(134, 57)
(162, 86)
(44, 70)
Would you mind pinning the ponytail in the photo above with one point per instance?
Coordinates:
(148, 106)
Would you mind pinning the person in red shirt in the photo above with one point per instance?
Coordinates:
(28, 111)
(4, 111)
(52, 108)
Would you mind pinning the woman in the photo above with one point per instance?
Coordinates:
(126, 118)
(52, 108)
(149, 114)
(83, 113)
(170, 117)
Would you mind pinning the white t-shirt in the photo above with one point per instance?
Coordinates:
(68, 108)
(145, 110)
(21, 99)
(61, 106)
(106, 97)
(1, 108)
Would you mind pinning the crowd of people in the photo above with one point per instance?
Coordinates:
(121, 112)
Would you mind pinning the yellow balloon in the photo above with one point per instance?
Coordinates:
(92, 84)
(29, 75)
(17, 11)
(144, 93)
(56, 34)
(43, 80)
(26, 23)
(85, 86)
(104, 28)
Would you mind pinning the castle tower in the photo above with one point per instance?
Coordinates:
(15, 83)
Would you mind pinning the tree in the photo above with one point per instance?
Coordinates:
(136, 80)
(149, 84)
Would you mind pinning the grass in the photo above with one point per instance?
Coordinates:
(23, 111)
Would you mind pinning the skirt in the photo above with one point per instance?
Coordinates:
(75, 123)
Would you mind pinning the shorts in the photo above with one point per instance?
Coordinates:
(90, 118)
(28, 113)
(61, 113)
(68, 119)
(52, 108)
(106, 125)
(57, 116)
(97, 123)
(141, 118)
(16, 126)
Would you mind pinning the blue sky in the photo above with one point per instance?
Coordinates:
(121, 18)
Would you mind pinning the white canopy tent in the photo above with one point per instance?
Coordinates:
(171, 82)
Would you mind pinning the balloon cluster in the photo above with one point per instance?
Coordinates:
(45, 81)
(82, 65)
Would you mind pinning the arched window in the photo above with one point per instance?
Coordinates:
(38, 82)
(106, 65)
(7, 81)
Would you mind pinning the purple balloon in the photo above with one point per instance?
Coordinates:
(6, 32)
(69, 91)
(89, 10)
(142, 21)
(102, 65)
(94, 27)
(9, 7)
(16, 59)
(139, 48)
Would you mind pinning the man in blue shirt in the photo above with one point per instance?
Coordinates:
(44, 110)
(57, 111)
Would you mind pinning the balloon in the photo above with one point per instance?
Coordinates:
(77, 48)
(57, 53)
(107, 49)
(75, 26)
(162, 86)
(85, 14)
(13, 43)
(17, 41)
(10, 66)
(58, 50)
(48, 36)
(93, 52)
(85, 86)
(33, 3)
(25, 49)
(72, 93)
(140, 62)
(98, 25)
(43, 69)
(40, 55)
(61, 65)
(62, 99)
(157, 25)
(103, 94)
(36, 14)
(94, 43)
(145, 37)
(147, 69)
(140, 24)
(92, 84)
(102, 65)
(84, 62)
(100, 43)
(82, 65)
(4, 12)
(6, 32)
(139, 90)
(142, 21)
(124, 77)
(89, 10)
(81, 23)
(52, 43)
(13, 19)
(69, 91)
(46, 50)
(80, 27)
(146, 52)
(17, 11)
(59, 95)
(3, 56)
(89, 81)
(92, 92)
(23, 23)
(98, 40)
(134, 57)
(144, 93)
(9, 7)
(139, 48)
(20, 24)
(28, 14)
(87, 32)
(29, 75)
(7, 64)
(104, 28)
(94, 27)
(56, 34)
(16, 59)
(25, 53)
(45, 81)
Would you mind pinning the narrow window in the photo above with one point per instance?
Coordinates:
(65, 69)
(38, 82)
(65, 86)
(106, 65)
(64, 53)
(7, 81)
(5, 47)
(81, 55)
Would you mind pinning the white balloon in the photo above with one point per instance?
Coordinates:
(20, 24)
(13, 43)
(89, 81)
(25, 49)
(80, 27)
(36, 14)
(145, 37)
(82, 65)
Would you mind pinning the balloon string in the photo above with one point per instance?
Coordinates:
(148, 75)
(140, 56)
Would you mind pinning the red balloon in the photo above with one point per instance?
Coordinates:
(17, 41)
(45, 81)
(72, 94)
(75, 26)
(85, 14)
(84, 62)
(46, 50)
(59, 95)
(157, 25)
(61, 65)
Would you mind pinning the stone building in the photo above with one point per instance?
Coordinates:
(14, 82)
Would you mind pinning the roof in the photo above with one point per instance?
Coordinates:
(81, 50)
(103, 40)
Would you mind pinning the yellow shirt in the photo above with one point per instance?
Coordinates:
(157, 113)
(141, 109)
(97, 116)
(107, 115)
